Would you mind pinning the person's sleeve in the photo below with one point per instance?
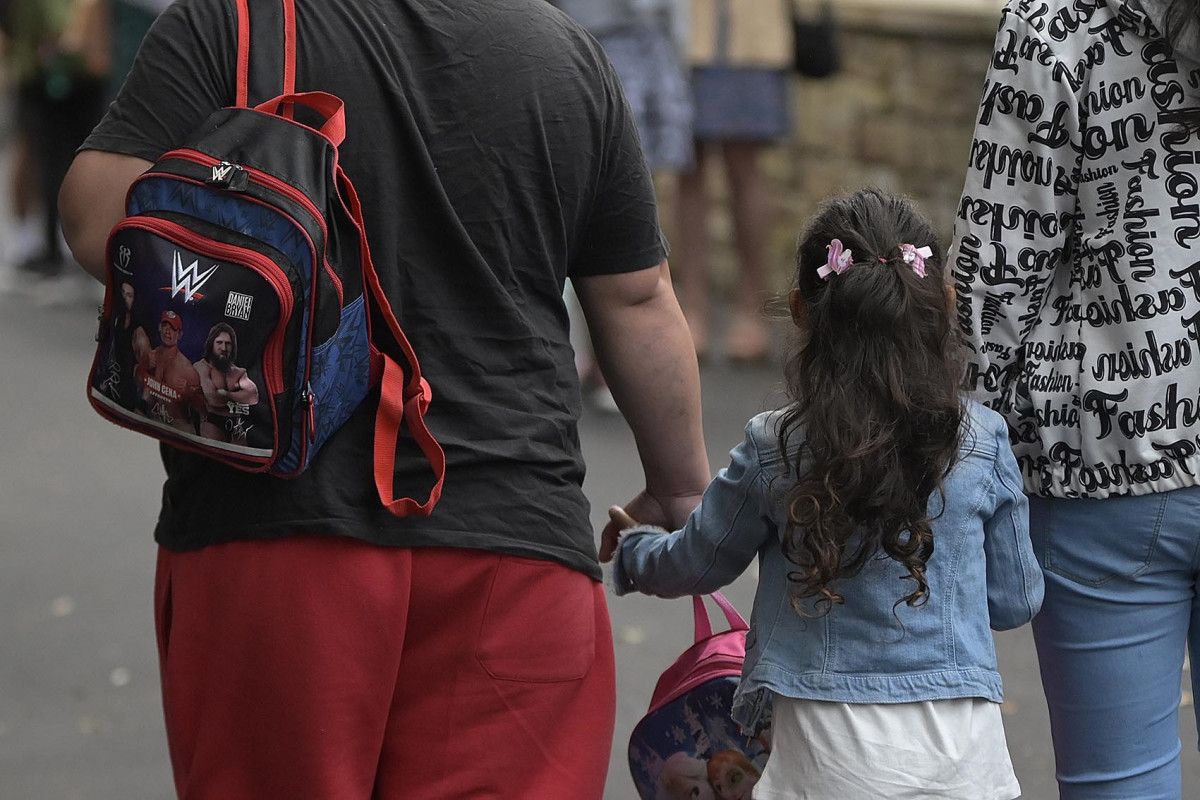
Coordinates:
(184, 70)
(1015, 584)
(720, 539)
(1015, 219)
(622, 232)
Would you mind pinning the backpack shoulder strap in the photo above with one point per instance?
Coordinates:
(404, 395)
(266, 28)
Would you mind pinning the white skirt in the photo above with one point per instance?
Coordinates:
(952, 749)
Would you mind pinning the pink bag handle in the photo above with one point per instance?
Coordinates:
(704, 625)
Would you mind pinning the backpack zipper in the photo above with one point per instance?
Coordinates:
(275, 185)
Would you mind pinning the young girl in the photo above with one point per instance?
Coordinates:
(887, 516)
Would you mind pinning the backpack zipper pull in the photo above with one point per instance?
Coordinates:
(228, 176)
(309, 399)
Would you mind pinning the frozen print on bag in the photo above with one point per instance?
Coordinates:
(728, 775)
(732, 775)
(691, 749)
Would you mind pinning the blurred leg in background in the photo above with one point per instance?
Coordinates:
(740, 58)
(645, 43)
(60, 59)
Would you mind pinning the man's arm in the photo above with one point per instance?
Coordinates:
(193, 393)
(243, 390)
(92, 201)
(141, 344)
(644, 349)
(207, 387)
(146, 364)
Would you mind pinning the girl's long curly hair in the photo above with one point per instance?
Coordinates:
(875, 406)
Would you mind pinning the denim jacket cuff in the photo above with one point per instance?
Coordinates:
(622, 583)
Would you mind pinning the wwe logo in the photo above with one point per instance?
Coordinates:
(230, 177)
(188, 280)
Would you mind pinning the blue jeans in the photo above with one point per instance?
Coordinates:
(1121, 605)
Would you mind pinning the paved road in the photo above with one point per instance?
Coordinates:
(79, 714)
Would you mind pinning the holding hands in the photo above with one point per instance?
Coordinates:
(620, 517)
(669, 512)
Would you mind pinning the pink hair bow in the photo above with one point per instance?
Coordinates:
(838, 260)
(915, 257)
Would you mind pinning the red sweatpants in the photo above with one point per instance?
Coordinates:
(326, 668)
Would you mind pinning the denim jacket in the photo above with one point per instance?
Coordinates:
(870, 650)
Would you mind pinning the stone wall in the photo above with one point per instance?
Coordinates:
(898, 115)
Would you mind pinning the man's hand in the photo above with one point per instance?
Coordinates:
(646, 509)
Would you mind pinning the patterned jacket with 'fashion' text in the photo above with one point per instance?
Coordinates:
(1076, 250)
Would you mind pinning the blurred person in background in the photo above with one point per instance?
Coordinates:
(60, 57)
(646, 40)
(1077, 265)
(129, 20)
(741, 56)
(25, 230)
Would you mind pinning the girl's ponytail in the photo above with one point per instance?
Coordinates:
(873, 428)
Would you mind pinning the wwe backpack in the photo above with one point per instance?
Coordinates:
(243, 318)
(687, 744)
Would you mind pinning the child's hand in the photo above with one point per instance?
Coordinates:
(621, 518)
(669, 512)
